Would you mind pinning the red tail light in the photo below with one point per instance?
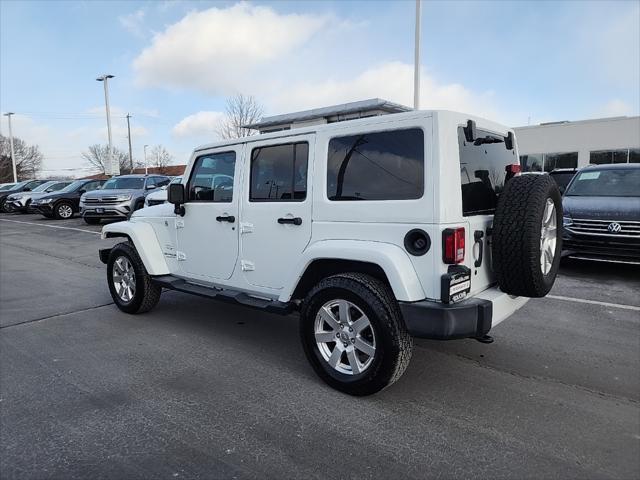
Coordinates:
(513, 168)
(453, 245)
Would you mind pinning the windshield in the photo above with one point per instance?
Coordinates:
(7, 186)
(19, 185)
(124, 183)
(624, 182)
(72, 186)
(43, 187)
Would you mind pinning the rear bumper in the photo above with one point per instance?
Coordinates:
(471, 318)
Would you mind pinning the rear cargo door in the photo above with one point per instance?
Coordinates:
(483, 172)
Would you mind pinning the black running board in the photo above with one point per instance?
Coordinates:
(225, 295)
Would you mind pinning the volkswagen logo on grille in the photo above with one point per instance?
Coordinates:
(614, 227)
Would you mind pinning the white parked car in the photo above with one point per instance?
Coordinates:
(373, 230)
(159, 196)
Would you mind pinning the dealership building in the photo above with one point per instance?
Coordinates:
(577, 144)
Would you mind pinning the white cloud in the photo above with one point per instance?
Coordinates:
(214, 50)
(134, 23)
(201, 124)
(615, 108)
(391, 81)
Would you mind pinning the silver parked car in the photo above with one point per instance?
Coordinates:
(119, 197)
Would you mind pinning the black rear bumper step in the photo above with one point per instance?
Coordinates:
(225, 295)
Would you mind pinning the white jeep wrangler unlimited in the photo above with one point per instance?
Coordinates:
(375, 230)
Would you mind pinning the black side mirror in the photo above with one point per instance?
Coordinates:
(176, 196)
(81, 191)
(509, 141)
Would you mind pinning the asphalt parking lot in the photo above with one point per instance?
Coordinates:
(198, 389)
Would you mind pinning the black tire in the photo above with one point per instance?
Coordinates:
(91, 220)
(516, 238)
(393, 343)
(58, 211)
(147, 293)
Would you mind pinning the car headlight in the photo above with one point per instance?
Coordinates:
(123, 198)
(46, 200)
(567, 221)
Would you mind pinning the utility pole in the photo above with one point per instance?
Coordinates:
(110, 169)
(129, 137)
(146, 168)
(13, 155)
(416, 61)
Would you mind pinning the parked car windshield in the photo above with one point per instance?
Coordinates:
(19, 185)
(42, 187)
(8, 186)
(124, 183)
(624, 182)
(73, 186)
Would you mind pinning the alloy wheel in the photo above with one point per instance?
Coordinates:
(124, 279)
(345, 337)
(548, 236)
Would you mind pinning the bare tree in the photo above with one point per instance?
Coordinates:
(96, 155)
(241, 110)
(28, 159)
(160, 158)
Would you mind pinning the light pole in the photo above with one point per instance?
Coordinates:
(416, 61)
(110, 169)
(146, 169)
(129, 137)
(13, 155)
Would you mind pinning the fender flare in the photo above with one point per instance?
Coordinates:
(394, 261)
(144, 239)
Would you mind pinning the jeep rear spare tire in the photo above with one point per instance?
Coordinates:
(527, 235)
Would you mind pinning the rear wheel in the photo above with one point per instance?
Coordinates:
(353, 334)
(63, 211)
(91, 220)
(527, 236)
(130, 285)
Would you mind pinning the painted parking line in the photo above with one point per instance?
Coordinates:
(595, 302)
(50, 226)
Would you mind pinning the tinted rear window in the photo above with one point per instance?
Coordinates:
(483, 171)
(376, 166)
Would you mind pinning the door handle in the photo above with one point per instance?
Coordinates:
(227, 218)
(292, 221)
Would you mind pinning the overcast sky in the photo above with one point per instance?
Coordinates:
(175, 62)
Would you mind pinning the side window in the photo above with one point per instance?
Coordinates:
(151, 182)
(90, 186)
(376, 166)
(279, 173)
(212, 178)
(162, 181)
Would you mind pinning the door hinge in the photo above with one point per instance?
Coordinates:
(181, 256)
(179, 223)
(247, 266)
(246, 227)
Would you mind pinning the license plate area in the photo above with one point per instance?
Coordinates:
(455, 284)
(99, 210)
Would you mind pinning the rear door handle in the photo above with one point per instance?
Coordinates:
(226, 218)
(292, 221)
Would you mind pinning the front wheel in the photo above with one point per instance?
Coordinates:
(353, 334)
(130, 285)
(63, 211)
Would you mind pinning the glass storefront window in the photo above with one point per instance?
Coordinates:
(560, 160)
(531, 163)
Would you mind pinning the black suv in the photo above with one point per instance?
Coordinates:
(64, 203)
(24, 186)
(602, 213)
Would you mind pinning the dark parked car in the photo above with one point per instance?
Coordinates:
(563, 176)
(64, 203)
(602, 213)
(24, 186)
